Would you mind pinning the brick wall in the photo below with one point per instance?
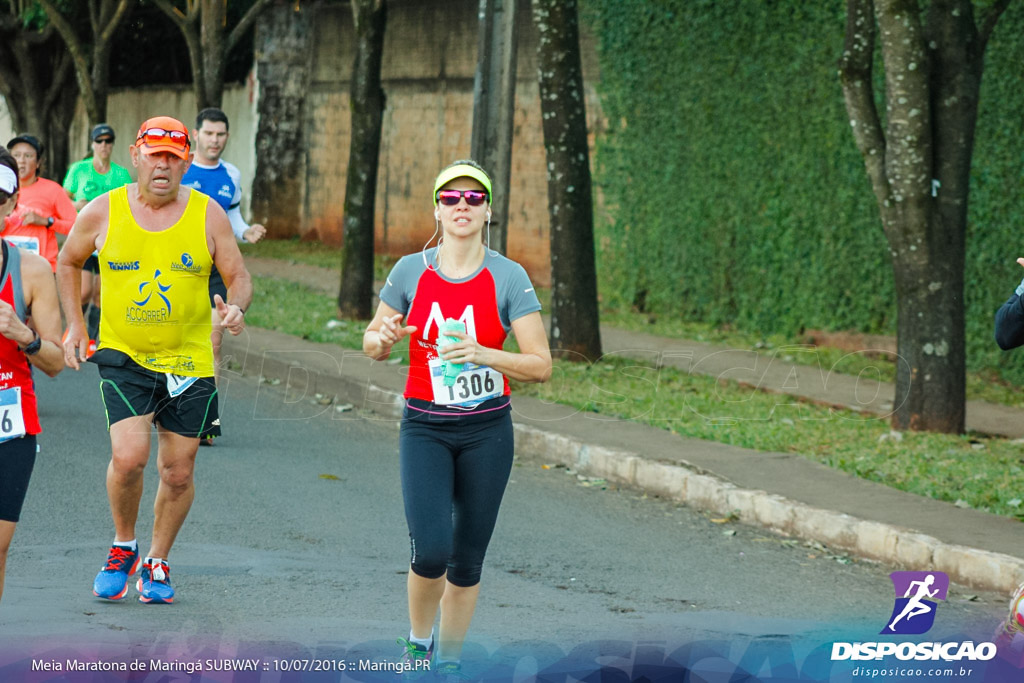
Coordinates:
(429, 63)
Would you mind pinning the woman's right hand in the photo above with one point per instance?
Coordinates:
(391, 331)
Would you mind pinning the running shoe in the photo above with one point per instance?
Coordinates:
(112, 581)
(449, 672)
(1014, 623)
(154, 583)
(415, 659)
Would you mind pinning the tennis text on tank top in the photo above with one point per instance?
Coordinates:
(487, 302)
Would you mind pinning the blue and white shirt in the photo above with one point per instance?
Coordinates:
(223, 184)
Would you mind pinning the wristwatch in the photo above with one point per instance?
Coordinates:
(33, 346)
(49, 222)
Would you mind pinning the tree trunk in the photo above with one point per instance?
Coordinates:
(213, 20)
(283, 63)
(919, 169)
(366, 101)
(204, 26)
(92, 69)
(61, 113)
(494, 99)
(575, 332)
(100, 80)
(38, 85)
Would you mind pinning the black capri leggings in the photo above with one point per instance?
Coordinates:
(454, 472)
(17, 459)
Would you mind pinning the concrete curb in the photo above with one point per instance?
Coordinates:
(679, 481)
(872, 540)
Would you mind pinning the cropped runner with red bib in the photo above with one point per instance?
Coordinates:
(18, 415)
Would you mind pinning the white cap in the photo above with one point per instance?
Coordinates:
(8, 180)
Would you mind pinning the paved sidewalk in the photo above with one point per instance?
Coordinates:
(776, 490)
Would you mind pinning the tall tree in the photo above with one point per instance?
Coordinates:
(90, 53)
(918, 162)
(575, 329)
(204, 23)
(366, 102)
(283, 62)
(494, 105)
(37, 80)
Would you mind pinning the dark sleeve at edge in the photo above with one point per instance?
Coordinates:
(1010, 324)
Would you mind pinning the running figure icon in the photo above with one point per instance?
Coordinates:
(920, 593)
(915, 606)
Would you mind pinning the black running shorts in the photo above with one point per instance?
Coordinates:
(17, 458)
(92, 264)
(130, 390)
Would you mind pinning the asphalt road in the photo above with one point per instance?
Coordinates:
(296, 549)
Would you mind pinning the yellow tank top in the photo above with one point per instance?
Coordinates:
(155, 302)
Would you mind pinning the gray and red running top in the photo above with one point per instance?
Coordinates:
(488, 301)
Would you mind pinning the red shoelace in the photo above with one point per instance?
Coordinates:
(118, 559)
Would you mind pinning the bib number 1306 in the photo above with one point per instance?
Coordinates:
(12, 421)
(475, 384)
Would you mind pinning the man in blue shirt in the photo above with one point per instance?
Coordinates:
(222, 181)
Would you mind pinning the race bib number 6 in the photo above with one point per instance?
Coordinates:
(12, 420)
(472, 386)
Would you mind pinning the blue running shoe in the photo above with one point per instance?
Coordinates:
(154, 583)
(112, 581)
(449, 672)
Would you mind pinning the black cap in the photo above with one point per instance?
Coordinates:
(101, 129)
(28, 140)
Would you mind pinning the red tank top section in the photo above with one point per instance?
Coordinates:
(474, 302)
(15, 370)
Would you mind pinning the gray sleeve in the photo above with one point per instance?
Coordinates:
(518, 297)
(400, 286)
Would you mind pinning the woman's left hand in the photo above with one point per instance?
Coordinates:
(466, 350)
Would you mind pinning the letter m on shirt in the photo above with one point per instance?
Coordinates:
(436, 318)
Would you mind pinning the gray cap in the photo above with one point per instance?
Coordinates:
(101, 129)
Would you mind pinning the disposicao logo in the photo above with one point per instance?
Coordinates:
(917, 597)
(914, 612)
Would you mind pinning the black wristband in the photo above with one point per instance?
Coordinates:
(32, 348)
(50, 221)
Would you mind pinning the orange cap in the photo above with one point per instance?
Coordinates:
(172, 142)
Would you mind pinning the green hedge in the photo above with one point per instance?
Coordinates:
(733, 191)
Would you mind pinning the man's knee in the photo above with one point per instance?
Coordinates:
(177, 475)
(129, 461)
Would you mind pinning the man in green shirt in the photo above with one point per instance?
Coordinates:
(91, 177)
(86, 180)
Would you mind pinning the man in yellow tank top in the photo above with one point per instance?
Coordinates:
(157, 242)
